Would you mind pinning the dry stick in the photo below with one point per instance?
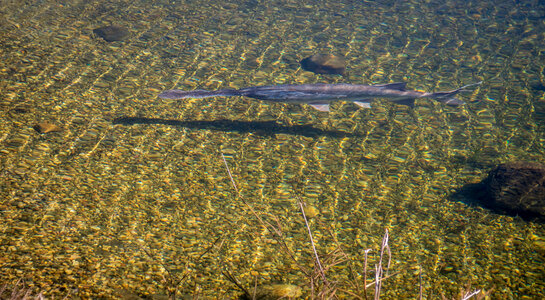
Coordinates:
(370, 285)
(356, 296)
(264, 223)
(378, 275)
(467, 296)
(210, 247)
(378, 268)
(338, 256)
(382, 279)
(230, 175)
(387, 246)
(235, 281)
(420, 279)
(171, 276)
(312, 242)
(254, 294)
(355, 283)
(312, 288)
(365, 273)
(365, 285)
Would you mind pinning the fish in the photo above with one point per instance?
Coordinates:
(320, 95)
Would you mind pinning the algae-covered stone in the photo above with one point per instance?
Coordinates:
(277, 291)
(311, 211)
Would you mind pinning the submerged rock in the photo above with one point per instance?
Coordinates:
(324, 64)
(311, 211)
(46, 127)
(111, 33)
(276, 291)
(517, 187)
(538, 86)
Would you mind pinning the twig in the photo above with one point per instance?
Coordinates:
(379, 274)
(467, 296)
(230, 175)
(382, 279)
(420, 280)
(322, 273)
(235, 282)
(254, 295)
(365, 273)
(210, 247)
(356, 296)
(173, 280)
(276, 232)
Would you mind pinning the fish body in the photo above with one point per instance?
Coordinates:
(320, 95)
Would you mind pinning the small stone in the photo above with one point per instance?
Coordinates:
(311, 211)
(111, 33)
(46, 127)
(22, 109)
(278, 291)
(324, 64)
(539, 246)
(538, 86)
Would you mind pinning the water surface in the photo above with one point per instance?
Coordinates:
(132, 197)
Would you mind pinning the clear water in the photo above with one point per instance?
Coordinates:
(132, 197)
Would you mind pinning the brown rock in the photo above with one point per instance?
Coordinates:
(46, 127)
(324, 64)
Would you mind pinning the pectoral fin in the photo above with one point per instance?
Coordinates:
(363, 104)
(320, 106)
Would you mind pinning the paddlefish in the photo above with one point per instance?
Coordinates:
(320, 95)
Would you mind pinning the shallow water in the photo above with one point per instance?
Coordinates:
(132, 197)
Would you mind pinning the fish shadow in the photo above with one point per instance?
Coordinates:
(264, 128)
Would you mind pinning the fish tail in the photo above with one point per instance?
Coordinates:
(180, 94)
(448, 97)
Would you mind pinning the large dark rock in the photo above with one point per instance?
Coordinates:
(517, 187)
(111, 33)
(324, 64)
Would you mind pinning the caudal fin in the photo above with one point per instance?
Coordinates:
(448, 97)
(180, 94)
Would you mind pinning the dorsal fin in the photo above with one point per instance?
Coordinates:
(361, 103)
(400, 86)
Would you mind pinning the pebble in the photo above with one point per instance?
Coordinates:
(311, 211)
(46, 127)
(279, 291)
